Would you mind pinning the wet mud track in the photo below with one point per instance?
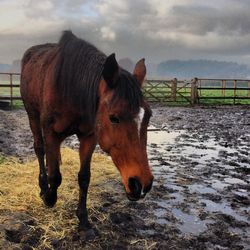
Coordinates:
(200, 199)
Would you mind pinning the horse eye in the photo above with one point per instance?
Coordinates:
(114, 119)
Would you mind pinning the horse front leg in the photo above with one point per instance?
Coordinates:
(52, 150)
(87, 146)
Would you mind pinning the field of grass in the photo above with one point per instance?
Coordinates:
(2, 158)
(213, 94)
(5, 91)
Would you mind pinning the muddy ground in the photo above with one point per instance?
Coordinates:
(200, 199)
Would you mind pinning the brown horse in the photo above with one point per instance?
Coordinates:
(73, 88)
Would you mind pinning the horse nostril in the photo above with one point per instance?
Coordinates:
(134, 186)
(148, 188)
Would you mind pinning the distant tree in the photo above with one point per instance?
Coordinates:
(4, 67)
(16, 66)
(202, 68)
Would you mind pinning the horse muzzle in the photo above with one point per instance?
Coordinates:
(136, 191)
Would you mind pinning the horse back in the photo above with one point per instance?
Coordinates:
(37, 74)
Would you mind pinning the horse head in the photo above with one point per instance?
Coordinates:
(122, 120)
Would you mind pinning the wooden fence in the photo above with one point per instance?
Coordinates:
(9, 88)
(198, 91)
(228, 90)
(195, 91)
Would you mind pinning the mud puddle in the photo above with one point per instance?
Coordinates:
(203, 179)
(200, 198)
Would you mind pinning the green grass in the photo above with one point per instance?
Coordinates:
(162, 93)
(5, 92)
(214, 93)
(2, 159)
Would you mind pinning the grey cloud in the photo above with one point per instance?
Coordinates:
(59, 8)
(202, 19)
(216, 30)
(194, 19)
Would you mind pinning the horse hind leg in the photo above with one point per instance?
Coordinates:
(40, 152)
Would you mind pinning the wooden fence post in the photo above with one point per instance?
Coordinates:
(194, 91)
(173, 89)
(235, 86)
(223, 87)
(11, 90)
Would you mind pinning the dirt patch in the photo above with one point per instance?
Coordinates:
(200, 198)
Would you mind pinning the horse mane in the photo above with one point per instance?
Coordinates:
(128, 89)
(78, 72)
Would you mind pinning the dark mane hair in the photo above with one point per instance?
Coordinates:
(128, 89)
(78, 72)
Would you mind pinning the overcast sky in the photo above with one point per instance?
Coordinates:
(155, 29)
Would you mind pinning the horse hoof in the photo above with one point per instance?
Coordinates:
(87, 234)
(49, 199)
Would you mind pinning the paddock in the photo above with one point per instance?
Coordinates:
(200, 199)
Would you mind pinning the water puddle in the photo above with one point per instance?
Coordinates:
(174, 187)
(163, 137)
(198, 188)
(234, 181)
(219, 185)
(186, 223)
(175, 145)
(190, 223)
(205, 151)
(241, 193)
(222, 207)
(162, 221)
(176, 198)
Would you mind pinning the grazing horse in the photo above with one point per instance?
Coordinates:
(73, 88)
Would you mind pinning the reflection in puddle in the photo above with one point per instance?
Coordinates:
(176, 198)
(161, 139)
(197, 188)
(234, 181)
(224, 208)
(161, 221)
(219, 185)
(241, 193)
(174, 187)
(190, 223)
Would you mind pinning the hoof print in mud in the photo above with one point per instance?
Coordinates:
(119, 218)
(87, 235)
(19, 229)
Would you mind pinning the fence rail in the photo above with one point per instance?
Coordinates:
(9, 87)
(195, 91)
(198, 91)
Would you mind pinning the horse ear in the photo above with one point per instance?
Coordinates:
(140, 71)
(110, 70)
